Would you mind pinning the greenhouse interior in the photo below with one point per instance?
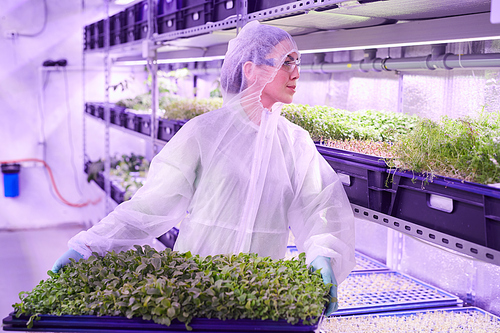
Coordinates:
(127, 206)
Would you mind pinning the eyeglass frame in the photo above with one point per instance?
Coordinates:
(290, 63)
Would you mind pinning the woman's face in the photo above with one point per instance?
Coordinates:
(282, 87)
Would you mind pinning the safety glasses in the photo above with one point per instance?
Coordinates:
(290, 63)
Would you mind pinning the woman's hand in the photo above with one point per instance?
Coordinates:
(323, 263)
(65, 259)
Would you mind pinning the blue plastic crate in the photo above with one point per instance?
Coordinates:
(371, 292)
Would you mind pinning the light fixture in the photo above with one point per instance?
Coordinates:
(381, 46)
(168, 61)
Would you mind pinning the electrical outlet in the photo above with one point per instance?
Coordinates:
(10, 34)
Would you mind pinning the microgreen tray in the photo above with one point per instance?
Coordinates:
(367, 264)
(68, 323)
(453, 319)
(371, 292)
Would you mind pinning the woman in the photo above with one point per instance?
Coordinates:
(239, 177)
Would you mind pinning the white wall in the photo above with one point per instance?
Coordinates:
(41, 113)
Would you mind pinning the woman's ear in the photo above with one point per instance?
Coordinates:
(249, 71)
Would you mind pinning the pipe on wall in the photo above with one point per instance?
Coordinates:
(438, 59)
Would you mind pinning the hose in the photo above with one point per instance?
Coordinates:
(78, 205)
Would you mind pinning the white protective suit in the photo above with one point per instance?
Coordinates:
(239, 177)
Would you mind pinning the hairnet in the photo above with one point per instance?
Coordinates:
(255, 43)
(239, 178)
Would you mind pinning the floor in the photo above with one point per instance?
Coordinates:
(25, 258)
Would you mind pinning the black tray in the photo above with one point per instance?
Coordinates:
(69, 323)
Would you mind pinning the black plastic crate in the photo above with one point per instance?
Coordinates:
(257, 5)
(89, 108)
(195, 13)
(130, 16)
(469, 211)
(141, 30)
(167, 23)
(117, 22)
(117, 194)
(168, 127)
(130, 34)
(223, 9)
(117, 38)
(99, 27)
(166, 20)
(88, 37)
(168, 7)
(141, 12)
(115, 114)
(130, 122)
(144, 123)
(364, 177)
(99, 111)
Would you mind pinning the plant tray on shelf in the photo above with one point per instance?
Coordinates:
(371, 292)
(68, 323)
(454, 319)
(367, 264)
(465, 210)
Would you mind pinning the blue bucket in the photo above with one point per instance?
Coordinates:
(11, 179)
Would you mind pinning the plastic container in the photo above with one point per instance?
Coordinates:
(469, 211)
(130, 16)
(168, 127)
(195, 13)
(99, 34)
(168, 239)
(223, 9)
(141, 30)
(257, 5)
(144, 123)
(11, 179)
(364, 177)
(115, 114)
(117, 194)
(166, 19)
(131, 122)
(141, 11)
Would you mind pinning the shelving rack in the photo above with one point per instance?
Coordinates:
(320, 26)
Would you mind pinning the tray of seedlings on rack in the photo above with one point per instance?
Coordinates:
(371, 292)
(109, 324)
(367, 264)
(454, 319)
(146, 290)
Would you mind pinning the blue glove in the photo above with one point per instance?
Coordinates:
(65, 259)
(323, 263)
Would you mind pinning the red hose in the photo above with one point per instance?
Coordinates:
(53, 182)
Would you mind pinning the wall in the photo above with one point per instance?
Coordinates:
(41, 112)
